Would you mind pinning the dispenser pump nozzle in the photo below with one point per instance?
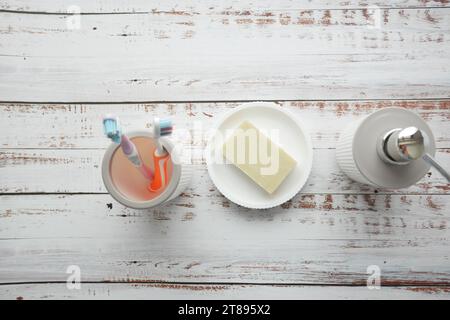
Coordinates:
(401, 146)
(404, 145)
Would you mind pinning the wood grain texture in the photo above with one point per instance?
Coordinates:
(328, 62)
(77, 126)
(234, 54)
(75, 171)
(60, 131)
(337, 227)
(143, 6)
(189, 292)
(315, 239)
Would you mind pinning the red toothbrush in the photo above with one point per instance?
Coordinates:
(161, 128)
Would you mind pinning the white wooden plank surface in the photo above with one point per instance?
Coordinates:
(80, 126)
(406, 234)
(283, 54)
(75, 171)
(53, 210)
(325, 239)
(144, 6)
(67, 128)
(210, 292)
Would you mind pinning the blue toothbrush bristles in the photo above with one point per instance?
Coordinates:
(112, 128)
(165, 127)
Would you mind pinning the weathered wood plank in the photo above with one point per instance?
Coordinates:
(211, 291)
(347, 216)
(75, 171)
(143, 6)
(290, 50)
(80, 126)
(209, 55)
(322, 239)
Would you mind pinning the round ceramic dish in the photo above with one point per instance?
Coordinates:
(293, 138)
(180, 176)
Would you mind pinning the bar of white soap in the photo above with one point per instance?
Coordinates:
(258, 157)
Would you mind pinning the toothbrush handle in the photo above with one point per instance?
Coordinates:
(160, 178)
(159, 148)
(145, 171)
(428, 158)
(136, 160)
(132, 153)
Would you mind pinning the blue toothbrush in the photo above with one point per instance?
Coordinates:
(113, 131)
(112, 128)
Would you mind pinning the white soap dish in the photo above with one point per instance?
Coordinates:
(293, 138)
